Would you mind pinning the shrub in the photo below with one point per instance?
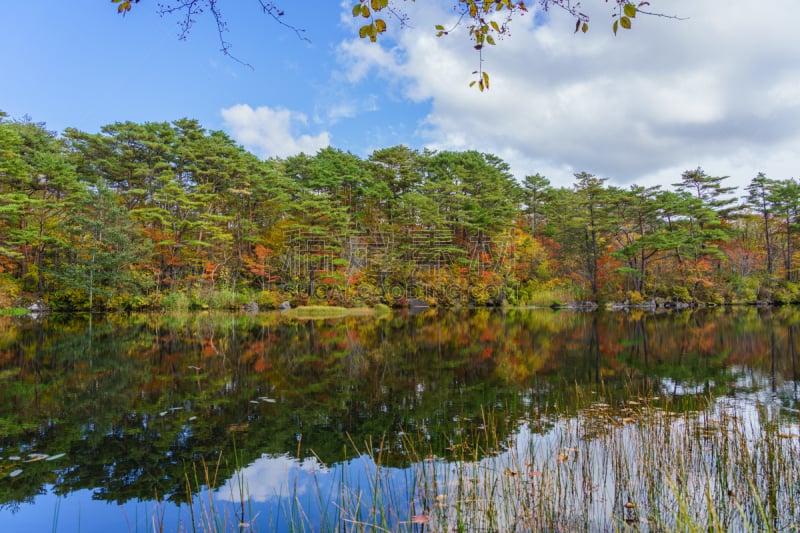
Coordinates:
(679, 293)
(69, 300)
(175, 301)
(634, 297)
(9, 291)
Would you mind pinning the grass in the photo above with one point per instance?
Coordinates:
(14, 311)
(312, 312)
(642, 463)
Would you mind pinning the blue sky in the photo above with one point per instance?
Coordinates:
(719, 90)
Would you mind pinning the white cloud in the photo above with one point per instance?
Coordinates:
(717, 90)
(272, 132)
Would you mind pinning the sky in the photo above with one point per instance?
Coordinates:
(718, 89)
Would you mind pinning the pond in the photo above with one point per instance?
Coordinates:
(476, 420)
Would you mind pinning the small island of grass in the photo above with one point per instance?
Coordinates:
(318, 312)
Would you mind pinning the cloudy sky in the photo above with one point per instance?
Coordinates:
(719, 89)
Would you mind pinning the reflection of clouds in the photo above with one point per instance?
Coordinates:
(271, 477)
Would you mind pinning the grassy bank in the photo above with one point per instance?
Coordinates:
(311, 312)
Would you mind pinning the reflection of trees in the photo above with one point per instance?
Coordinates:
(135, 402)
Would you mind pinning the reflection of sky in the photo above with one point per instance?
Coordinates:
(272, 477)
(79, 512)
(287, 493)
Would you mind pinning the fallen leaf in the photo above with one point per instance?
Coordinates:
(420, 519)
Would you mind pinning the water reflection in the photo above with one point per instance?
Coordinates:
(133, 402)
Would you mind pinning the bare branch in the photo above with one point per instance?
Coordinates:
(277, 14)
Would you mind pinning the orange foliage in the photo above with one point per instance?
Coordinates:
(209, 348)
(261, 365)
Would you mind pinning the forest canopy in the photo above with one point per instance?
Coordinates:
(139, 215)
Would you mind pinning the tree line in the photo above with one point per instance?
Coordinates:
(169, 213)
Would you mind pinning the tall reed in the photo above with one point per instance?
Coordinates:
(610, 460)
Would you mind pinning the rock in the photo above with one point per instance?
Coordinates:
(416, 303)
(676, 305)
(582, 306)
(251, 307)
(285, 306)
(576, 306)
(38, 309)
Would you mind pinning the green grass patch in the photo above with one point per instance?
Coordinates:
(14, 311)
(318, 312)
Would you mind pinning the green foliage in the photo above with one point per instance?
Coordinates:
(270, 299)
(69, 300)
(143, 210)
(786, 293)
(709, 293)
(10, 290)
(132, 302)
(679, 293)
(176, 301)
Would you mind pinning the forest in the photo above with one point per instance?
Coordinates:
(170, 215)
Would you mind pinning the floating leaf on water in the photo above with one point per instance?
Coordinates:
(420, 519)
(15, 473)
(56, 456)
(239, 427)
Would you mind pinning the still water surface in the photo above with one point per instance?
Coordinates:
(112, 424)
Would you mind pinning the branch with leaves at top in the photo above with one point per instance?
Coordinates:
(488, 20)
